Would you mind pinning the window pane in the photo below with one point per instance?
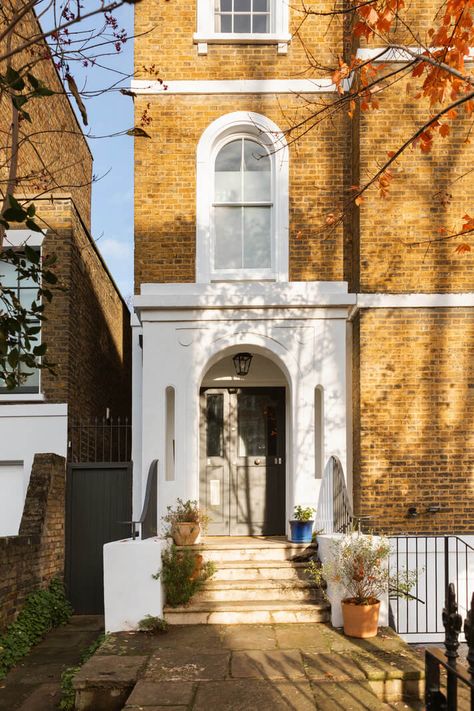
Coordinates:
(256, 157)
(241, 5)
(257, 237)
(27, 296)
(8, 274)
(215, 426)
(32, 380)
(228, 176)
(225, 6)
(260, 6)
(257, 176)
(223, 23)
(241, 24)
(260, 23)
(228, 238)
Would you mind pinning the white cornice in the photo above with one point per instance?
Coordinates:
(397, 54)
(235, 86)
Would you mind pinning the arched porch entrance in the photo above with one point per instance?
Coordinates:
(243, 448)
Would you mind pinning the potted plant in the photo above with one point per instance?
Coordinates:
(301, 525)
(359, 565)
(186, 521)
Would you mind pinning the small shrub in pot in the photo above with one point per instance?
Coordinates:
(185, 522)
(301, 525)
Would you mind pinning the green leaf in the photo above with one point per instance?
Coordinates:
(19, 101)
(35, 83)
(43, 91)
(31, 211)
(31, 224)
(40, 350)
(12, 214)
(50, 277)
(13, 357)
(32, 254)
(14, 79)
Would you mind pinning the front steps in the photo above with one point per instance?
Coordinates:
(256, 582)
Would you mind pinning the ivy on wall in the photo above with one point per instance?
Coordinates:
(43, 610)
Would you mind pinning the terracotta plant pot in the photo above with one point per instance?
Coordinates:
(186, 534)
(360, 621)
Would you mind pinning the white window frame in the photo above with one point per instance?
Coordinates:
(256, 127)
(206, 34)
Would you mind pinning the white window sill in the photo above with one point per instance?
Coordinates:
(22, 397)
(203, 39)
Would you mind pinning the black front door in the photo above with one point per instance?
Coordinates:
(242, 483)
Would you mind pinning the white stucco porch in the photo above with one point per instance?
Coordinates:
(185, 333)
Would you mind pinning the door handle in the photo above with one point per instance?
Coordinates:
(257, 462)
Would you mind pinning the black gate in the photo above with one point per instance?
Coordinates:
(98, 510)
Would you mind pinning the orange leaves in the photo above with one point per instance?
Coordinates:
(383, 183)
(376, 17)
(468, 225)
(463, 248)
(342, 72)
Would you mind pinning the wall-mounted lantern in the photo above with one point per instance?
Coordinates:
(242, 363)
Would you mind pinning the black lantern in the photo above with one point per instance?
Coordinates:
(242, 363)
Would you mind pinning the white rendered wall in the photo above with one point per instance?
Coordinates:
(188, 329)
(25, 430)
(130, 591)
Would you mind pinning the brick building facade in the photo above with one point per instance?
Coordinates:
(396, 391)
(87, 330)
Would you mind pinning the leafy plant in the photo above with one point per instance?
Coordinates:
(183, 574)
(68, 695)
(303, 513)
(43, 610)
(185, 512)
(357, 563)
(153, 625)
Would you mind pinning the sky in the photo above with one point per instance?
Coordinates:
(112, 194)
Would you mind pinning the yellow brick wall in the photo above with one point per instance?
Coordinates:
(54, 156)
(165, 39)
(165, 191)
(413, 434)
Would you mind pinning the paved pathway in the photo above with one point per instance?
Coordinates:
(290, 667)
(34, 685)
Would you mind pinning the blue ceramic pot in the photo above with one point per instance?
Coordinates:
(301, 531)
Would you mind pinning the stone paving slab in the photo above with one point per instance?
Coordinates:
(183, 664)
(249, 637)
(250, 694)
(273, 664)
(148, 693)
(109, 671)
(322, 667)
(30, 685)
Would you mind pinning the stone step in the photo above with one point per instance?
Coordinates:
(260, 570)
(253, 590)
(243, 612)
(249, 549)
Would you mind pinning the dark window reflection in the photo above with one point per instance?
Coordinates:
(257, 426)
(215, 425)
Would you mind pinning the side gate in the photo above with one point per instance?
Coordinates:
(98, 510)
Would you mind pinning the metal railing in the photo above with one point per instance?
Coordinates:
(334, 512)
(436, 560)
(148, 520)
(436, 699)
(100, 440)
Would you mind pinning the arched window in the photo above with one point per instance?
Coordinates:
(242, 208)
(242, 201)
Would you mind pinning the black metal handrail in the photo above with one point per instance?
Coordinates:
(435, 659)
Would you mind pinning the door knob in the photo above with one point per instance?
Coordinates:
(257, 462)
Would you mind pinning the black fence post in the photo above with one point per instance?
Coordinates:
(452, 622)
(469, 634)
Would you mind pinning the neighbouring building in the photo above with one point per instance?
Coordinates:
(88, 322)
(362, 346)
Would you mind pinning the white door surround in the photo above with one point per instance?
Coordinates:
(189, 328)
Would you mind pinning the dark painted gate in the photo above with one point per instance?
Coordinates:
(98, 510)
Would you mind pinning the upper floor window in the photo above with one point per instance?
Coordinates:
(242, 206)
(242, 200)
(243, 16)
(242, 22)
